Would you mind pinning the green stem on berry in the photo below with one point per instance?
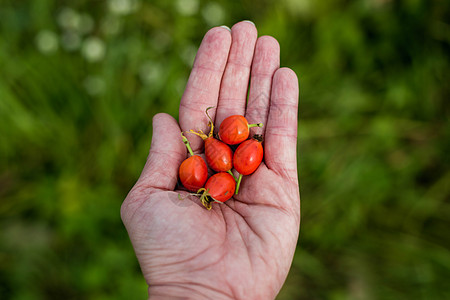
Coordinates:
(231, 173)
(255, 125)
(238, 184)
(188, 146)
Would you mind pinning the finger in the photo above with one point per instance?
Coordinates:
(233, 90)
(202, 89)
(265, 62)
(281, 131)
(167, 152)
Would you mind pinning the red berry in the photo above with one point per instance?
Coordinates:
(248, 156)
(221, 186)
(218, 155)
(235, 129)
(193, 173)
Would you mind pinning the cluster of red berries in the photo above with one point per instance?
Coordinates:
(221, 186)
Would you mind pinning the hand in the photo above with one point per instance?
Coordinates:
(241, 249)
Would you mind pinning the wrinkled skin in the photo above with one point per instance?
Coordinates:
(241, 249)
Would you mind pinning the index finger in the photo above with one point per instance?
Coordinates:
(202, 89)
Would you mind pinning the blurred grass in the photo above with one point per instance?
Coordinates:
(81, 80)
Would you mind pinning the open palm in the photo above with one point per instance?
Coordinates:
(241, 249)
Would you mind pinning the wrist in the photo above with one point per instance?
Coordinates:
(187, 291)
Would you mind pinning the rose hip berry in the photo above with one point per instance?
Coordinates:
(235, 129)
(220, 187)
(247, 157)
(193, 171)
(218, 154)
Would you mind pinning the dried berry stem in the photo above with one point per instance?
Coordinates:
(204, 198)
(200, 133)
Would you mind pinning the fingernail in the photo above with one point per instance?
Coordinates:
(248, 21)
(226, 27)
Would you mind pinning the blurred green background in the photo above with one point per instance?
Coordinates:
(81, 80)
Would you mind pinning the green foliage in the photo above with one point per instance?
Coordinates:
(81, 80)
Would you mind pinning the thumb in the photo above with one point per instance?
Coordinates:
(167, 152)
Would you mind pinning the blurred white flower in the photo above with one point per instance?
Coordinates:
(71, 41)
(111, 25)
(300, 7)
(86, 24)
(123, 7)
(68, 18)
(94, 85)
(93, 49)
(47, 41)
(213, 14)
(150, 71)
(187, 7)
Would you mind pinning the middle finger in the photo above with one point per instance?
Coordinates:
(233, 90)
